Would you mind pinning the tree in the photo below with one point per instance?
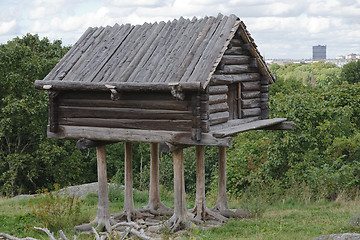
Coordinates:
(25, 160)
(351, 72)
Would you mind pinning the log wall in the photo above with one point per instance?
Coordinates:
(136, 110)
(248, 89)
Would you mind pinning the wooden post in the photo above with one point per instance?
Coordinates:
(178, 220)
(129, 199)
(103, 213)
(154, 195)
(221, 203)
(200, 210)
(155, 206)
(200, 204)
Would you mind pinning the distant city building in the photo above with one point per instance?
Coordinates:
(351, 56)
(319, 52)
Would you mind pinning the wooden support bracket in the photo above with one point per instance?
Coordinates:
(115, 95)
(176, 91)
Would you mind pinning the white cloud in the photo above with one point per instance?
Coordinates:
(7, 27)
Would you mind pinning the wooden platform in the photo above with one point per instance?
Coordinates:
(232, 128)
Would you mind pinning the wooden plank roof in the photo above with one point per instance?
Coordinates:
(180, 51)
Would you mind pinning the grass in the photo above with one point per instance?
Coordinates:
(287, 219)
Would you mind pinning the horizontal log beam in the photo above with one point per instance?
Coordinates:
(236, 51)
(235, 69)
(134, 135)
(122, 113)
(250, 94)
(251, 112)
(104, 86)
(235, 59)
(156, 124)
(250, 103)
(219, 89)
(214, 99)
(250, 86)
(144, 104)
(234, 78)
(219, 117)
(220, 107)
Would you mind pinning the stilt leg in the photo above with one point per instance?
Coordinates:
(178, 221)
(129, 210)
(200, 210)
(222, 204)
(102, 220)
(155, 206)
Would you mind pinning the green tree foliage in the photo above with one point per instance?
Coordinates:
(295, 76)
(27, 159)
(350, 72)
(322, 153)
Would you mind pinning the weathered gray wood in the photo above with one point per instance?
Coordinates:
(62, 63)
(213, 90)
(232, 101)
(235, 59)
(220, 107)
(120, 86)
(287, 125)
(155, 203)
(210, 58)
(250, 94)
(80, 65)
(53, 110)
(236, 42)
(214, 99)
(77, 55)
(236, 51)
(265, 80)
(247, 127)
(103, 214)
(265, 113)
(122, 113)
(250, 86)
(176, 125)
(178, 220)
(250, 103)
(235, 69)
(253, 63)
(135, 135)
(221, 203)
(251, 112)
(205, 126)
(186, 46)
(122, 57)
(234, 78)
(264, 88)
(202, 43)
(172, 50)
(264, 105)
(196, 117)
(233, 123)
(123, 103)
(219, 117)
(265, 97)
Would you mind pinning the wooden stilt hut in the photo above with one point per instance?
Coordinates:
(182, 82)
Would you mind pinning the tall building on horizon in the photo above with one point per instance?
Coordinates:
(319, 52)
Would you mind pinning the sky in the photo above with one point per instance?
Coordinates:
(282, 29)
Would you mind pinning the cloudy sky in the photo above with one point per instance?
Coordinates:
(281, 28)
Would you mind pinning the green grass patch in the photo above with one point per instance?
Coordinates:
(286, 219)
